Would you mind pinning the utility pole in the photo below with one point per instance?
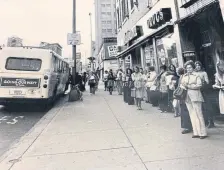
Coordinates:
(74, 46)
(91, 39)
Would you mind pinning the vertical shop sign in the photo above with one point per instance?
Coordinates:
(161, 53)
(127, 61)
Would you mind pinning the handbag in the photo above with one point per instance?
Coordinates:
(180, 93)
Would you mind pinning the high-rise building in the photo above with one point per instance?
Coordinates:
(105, 14)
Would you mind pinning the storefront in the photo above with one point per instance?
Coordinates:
(202, 39)
(158, 45)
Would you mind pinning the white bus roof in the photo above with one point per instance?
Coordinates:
(34, 49)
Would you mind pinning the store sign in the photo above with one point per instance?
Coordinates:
(134, 33)
(112, 50)
(19, 82)
(160, 18)
(189, 54)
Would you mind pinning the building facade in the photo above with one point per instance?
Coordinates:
(147, 35)
(107, 55)
(201, 28)
(105, 21)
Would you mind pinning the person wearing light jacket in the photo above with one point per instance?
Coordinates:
(150, 80)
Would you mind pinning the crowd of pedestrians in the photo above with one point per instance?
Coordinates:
(180, 91)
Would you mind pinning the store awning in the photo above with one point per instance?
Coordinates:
(164, 30)
(206, 7)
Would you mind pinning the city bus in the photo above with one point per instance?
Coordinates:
(29, 74)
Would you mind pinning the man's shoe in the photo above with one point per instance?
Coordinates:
(195, 136)
(203, 137)
(185, 131)
(210, 125)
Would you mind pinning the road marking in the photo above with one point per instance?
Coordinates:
(15, 120)
(4, 118)
(10, 120)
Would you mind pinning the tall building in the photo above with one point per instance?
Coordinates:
(105, 14)
(15, 42)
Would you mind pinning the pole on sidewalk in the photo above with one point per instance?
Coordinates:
(91, 41)
(74, 46)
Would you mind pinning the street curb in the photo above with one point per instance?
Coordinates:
(19, 147)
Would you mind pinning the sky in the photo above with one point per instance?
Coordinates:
(46, 20)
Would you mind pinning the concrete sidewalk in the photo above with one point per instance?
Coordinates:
(104, 133)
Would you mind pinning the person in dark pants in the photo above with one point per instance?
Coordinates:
(131, 100)
(125, 87)
(110, 84)
(207, 111)
(184, 114)
(105, 80)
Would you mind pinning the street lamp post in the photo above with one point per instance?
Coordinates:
(74, 46)
(91, 41)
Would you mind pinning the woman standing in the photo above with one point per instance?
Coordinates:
(119, 82)
(163, 101)
(92, 82)
(138, 79)
(151, 77)
(110, 81)
(105, 80)
(192, 83)
(184, 114)
(128, 86)
(219, 79)
(171, 77)
(207, 112)
(145, 76)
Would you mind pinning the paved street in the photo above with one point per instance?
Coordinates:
(104, 133)
(17, 121)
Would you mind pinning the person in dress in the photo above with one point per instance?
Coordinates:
(171, 78)
(219, 84)
(163, 101)
(138, 79)
(128, 87)
(194, 99)
(119, 82)
(110, 84)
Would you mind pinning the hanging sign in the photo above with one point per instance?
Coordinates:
(112, 51)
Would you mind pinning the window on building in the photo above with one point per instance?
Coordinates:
(102, 5)
(109, 30)
(104, 30)
(109, 22)
(108, 5)
(124, 4)
(103, 13)
(109, 13)
(118, 18)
